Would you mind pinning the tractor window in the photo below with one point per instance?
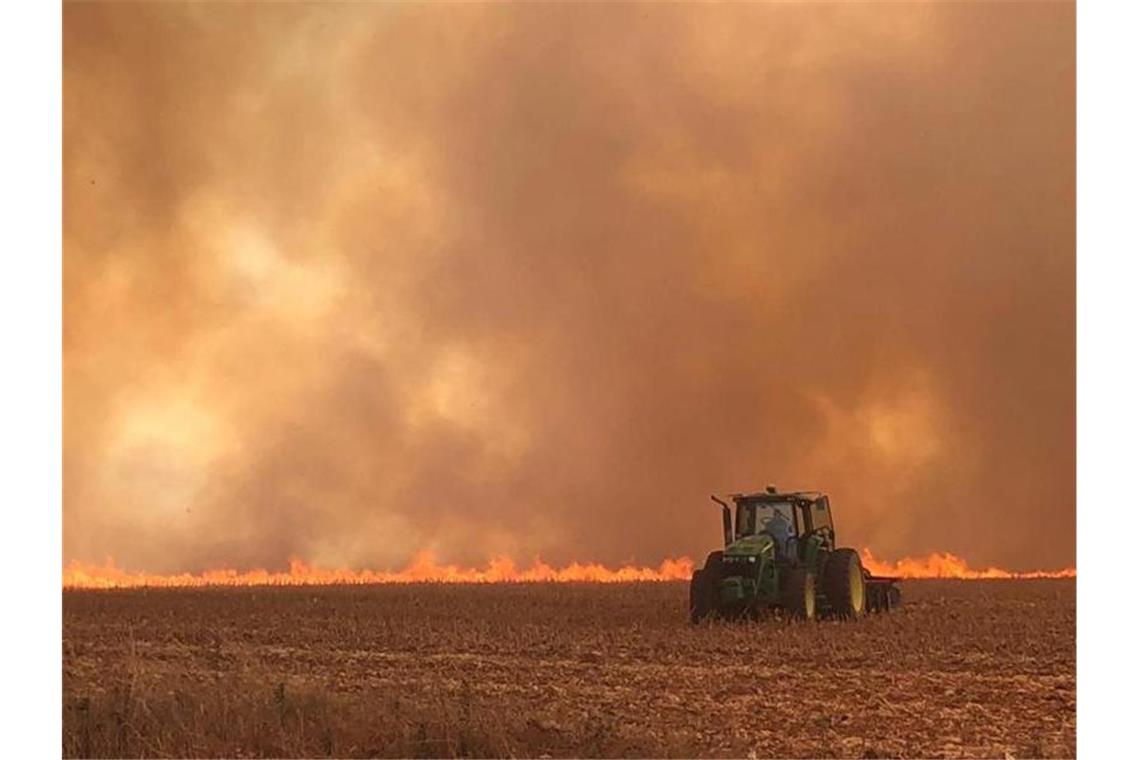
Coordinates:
(803, 518)
(745, 520)
(781, 515)
(777, 518)
(821, 515)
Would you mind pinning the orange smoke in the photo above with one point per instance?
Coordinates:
(424, 569)
(949, 566)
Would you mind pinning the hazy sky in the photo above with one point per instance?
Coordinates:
(348, 282)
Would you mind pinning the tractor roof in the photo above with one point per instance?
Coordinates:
(772, 495)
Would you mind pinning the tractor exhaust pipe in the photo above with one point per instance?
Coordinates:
(726, 517)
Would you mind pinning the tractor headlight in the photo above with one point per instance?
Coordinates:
(752, 559)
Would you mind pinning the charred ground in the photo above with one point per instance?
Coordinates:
(965, 668)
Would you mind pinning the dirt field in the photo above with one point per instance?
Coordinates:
(964, 669)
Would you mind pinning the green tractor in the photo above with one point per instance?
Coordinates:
(782, 555)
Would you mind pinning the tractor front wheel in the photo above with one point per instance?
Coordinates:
(699, 607)
(844, 584)
(799, 594)
(704, 587)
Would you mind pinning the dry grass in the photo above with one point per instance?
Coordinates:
(965, 669)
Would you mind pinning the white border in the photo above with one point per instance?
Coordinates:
(31, 316)
(1108, 381)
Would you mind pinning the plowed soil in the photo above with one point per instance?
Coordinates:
(963, 669)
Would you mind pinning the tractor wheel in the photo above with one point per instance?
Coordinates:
(703, 588)
(698, 597)
(844, 584)
(799, 594)
(894, 597)
(715, 562)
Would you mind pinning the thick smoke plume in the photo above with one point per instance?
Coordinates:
(347, 283)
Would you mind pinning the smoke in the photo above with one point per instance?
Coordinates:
(347, 283)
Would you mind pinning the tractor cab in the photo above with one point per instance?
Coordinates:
(796, 522)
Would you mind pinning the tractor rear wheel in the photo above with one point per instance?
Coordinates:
(704, 587)
(799, 594)
(844, 584)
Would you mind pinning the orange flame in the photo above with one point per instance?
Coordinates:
(424, 569)
(949, 566)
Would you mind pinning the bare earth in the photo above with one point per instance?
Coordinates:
(964, 669)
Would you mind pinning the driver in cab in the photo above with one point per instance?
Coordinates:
(781, 529)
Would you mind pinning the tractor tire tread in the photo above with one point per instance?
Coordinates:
(797, 585)
(703, 587)
(837, 583)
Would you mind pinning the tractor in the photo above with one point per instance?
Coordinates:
(781, 554)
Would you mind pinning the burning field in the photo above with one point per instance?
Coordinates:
(425, 569)
(981, 668)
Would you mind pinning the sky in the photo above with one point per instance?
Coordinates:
(346, 283)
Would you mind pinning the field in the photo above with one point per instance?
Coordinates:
(964, 669)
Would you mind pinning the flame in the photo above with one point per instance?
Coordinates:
(424, 569)
(947, 565)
